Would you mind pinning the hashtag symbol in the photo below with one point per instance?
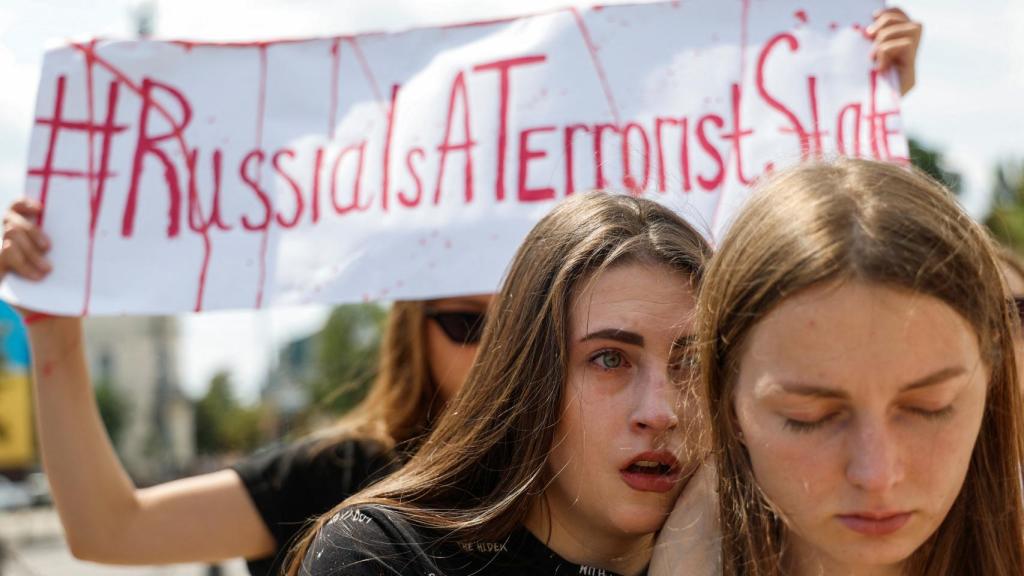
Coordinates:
(57, 123)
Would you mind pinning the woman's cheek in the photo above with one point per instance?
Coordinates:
(792, 467)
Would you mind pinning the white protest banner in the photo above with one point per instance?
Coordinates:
(183, 176)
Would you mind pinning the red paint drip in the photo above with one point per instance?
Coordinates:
(124, 79)
(335, 71)
(90, 54)
(261, 105)
(597, 63)
(801, 15)
(90, 180)
(70, 173)
(58, 111)
(744, 35)
(368, 73)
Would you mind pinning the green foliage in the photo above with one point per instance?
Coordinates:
(933, 163)
(1007, 217)
(222, 424)
(113, 408)
(346, 356)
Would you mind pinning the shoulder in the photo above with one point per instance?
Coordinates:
(362, 457)
(367, 540)
(291, 483)
(349, 463)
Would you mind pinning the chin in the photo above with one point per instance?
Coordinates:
(639, 519)
(876, 552)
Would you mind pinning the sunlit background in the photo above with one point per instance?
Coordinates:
(965, 111)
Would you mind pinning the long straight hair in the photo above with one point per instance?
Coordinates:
(482, 466)
(403, 399)
(879, 223)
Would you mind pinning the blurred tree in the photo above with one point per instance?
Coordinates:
(217, 402)
(1007, 217)
(242, 430)
(346, 356)
(113, 406)
(933, 163)
(222, 424)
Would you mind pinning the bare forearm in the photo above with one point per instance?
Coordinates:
(94, 496)
(208, 517)
(106, 519)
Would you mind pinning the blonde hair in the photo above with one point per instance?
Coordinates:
(1011, 261)
(874, 222)
(403, 399)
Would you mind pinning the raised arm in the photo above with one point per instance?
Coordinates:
(896, 39)
(106, 519)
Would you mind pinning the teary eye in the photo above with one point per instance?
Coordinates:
(608, 359)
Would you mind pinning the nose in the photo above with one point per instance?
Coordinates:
(875, 462)
(656, 409)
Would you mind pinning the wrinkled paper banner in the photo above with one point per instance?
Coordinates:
(190, 176)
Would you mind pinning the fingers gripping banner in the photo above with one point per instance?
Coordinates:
(184, 176)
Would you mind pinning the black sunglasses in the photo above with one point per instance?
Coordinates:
(463, 328)
(1018, 301)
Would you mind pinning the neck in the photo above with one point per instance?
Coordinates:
(589, 545)
(804, 562)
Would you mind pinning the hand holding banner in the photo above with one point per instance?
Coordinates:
(180, 176)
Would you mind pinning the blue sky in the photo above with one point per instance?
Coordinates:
(966, 103)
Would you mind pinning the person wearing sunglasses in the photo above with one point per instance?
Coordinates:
(255, 508)
(452, 331)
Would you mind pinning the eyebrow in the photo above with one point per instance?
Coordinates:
(932, 379)
(619, 335)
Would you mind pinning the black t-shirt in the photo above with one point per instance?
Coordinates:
(374, 540)
(293, 484)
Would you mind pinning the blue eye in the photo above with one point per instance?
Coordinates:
(608, 359)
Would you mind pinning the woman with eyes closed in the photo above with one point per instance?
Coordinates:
(567, 447)
(255, 509)
(857, 353)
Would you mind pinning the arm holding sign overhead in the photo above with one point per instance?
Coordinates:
(106, 519)
(896, 39)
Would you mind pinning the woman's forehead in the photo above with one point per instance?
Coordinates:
(635, 296)
(857, 335)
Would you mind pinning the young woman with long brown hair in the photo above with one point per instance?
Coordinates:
(567, 446)
(856, 345)
(257, 507)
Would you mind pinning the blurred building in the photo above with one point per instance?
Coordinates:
(138, 357)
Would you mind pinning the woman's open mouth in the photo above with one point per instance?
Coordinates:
(652, 472)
